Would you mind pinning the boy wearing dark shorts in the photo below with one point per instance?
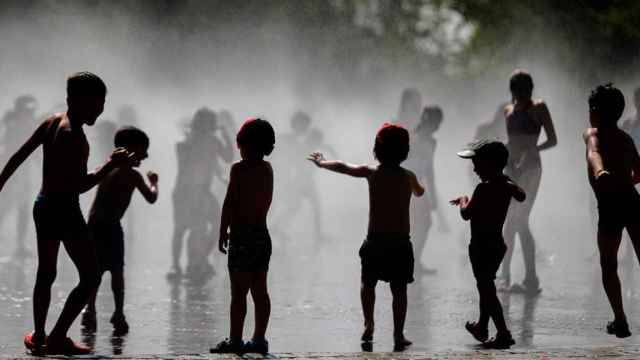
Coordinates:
(248, 244)
(487, 210)
(56, 212)
(387, 253)
(111, 201)
(613, 170)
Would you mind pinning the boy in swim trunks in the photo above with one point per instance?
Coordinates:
(248, 244)
(56, 211)
(111, 201)
(613, 169)
(487, 210)
(387, 253)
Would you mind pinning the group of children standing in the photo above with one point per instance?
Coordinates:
(386, 254)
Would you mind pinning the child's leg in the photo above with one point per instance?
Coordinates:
(91, 305)
(46, 274)
(262, 303)
(485, 313)
(83, 255)
(608, 244)
(176, 244)
(240, 284)
(528, 246)
(399, 304)
(510, 230)
(117, 286)
(420, 224)
(494, 308)
(368, 299)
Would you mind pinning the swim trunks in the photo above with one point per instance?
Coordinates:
(109, 240)
(386, 257)
(249, 249)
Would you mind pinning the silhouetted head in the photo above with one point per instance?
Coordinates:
(134, 140)
(127, 115)
(25, 104)
(430, 120)
(489, 157)
(255, 138)
(521, 85)
(606, 105)
(636, 98)
(204, 121)
(86, 93)
(300, 122)
(392, 144)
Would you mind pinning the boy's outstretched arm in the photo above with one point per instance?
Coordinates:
(340, 166)
(463, 202)
(416, 188)
(225, 219)
(119, 157)
(150, 193)
(23, 153)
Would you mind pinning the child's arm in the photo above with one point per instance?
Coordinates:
(23, 153)
(549, 129)
(226, 150)
(150, 193)
(594, 158)
(225, 219)
(117, 158)
(340, 166)
(463, 202)
(416, 188)
(517, 192)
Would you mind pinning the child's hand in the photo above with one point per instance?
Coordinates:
(223, 242)
(316, 158)
(153, 177)
(120, 155)
(459, 201)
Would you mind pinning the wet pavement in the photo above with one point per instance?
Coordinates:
(316, 306)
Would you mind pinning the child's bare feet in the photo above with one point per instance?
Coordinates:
(367, 334)
(400, 342)
(478, 333)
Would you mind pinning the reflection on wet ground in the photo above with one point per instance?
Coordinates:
(316, 306)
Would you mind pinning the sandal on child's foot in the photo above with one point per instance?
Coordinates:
(501, 341)
(256, 346)
(228, 347)
(120, 325)
(66, 347)
(476, 331)
(618, 328)
(34, 345)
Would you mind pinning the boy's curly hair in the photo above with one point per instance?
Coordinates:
(607, 102)
(257, 136)
(85, 83)
(128, 136)
(392, 144)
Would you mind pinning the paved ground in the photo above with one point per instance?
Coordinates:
(621, 353)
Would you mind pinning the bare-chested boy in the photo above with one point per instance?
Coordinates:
(614, 169)
(244, 214)
(57, 213)
(487, 210)
(111, 202)
(387, 253)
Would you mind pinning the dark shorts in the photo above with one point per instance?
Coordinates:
(618, 209)
(109, 240)
(386, 257)
(59, 218)
(486, 258)
(249, 249)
